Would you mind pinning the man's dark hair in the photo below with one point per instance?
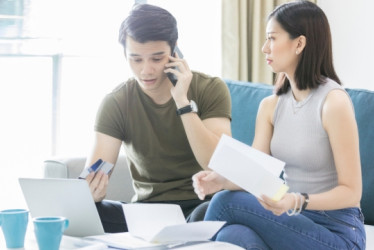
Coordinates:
(149, 23)
(316, 62)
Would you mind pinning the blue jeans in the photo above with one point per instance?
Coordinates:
(251, 226)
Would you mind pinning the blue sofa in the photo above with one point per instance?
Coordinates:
(246, 97)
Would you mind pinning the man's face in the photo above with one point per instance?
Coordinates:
(147, 62)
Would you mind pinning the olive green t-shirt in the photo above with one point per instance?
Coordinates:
(159, 155)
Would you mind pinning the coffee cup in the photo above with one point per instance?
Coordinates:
(49, 230)
(14, 225)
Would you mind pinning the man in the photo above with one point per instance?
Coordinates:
(169, 132)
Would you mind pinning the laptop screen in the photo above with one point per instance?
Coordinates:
(70, 198)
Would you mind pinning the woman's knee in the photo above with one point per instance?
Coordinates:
(241, 236)
(221, 197)
(216, 205)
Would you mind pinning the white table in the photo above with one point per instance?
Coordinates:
(69, 243)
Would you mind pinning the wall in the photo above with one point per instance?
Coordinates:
(352, 33)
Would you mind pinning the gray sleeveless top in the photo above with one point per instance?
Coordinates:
(300, 140)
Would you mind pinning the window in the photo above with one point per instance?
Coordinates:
(57, 60)
(25, 108)
(199, 27)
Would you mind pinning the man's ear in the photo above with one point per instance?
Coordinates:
(301, 43)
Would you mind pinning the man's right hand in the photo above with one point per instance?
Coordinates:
(98, 184)
(106, 148)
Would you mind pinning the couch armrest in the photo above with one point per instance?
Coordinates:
(55, 169)
(120, 184)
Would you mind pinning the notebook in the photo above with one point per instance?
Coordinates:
(70, 198)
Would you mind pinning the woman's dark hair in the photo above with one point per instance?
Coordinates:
(316, 62)
(149, 23)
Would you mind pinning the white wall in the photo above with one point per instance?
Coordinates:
(352, 34)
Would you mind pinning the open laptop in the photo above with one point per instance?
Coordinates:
(70, 198)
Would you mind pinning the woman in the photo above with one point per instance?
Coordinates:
(309, 124)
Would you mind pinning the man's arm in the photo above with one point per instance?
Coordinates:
(203, 136)
(106, 148)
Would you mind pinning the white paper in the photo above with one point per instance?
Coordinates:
(252, 170)
(161, 223)
(127, 241)
(121, 241)
(193, 231)
(69, 242)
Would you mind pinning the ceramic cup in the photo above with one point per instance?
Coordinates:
(49, 230)
(14, 224)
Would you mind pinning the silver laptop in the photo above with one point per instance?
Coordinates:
(70, 198)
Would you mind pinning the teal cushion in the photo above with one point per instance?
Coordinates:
(245, 99)
(363, 102)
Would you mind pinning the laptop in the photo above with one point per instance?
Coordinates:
(70, 198)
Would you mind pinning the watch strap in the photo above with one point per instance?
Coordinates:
(187, 109)
(306, 201)
(184, 110)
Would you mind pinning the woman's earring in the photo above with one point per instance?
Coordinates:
(297, 52)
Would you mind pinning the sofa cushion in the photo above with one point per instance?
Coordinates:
(363, 102)
(245, 99)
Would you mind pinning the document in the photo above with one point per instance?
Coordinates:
(165, 223)
(251, 169)
(127, 241)
(122, 241)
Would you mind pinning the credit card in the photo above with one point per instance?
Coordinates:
(104, 166)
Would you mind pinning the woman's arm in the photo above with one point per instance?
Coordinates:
(339, 121)
(264, 124)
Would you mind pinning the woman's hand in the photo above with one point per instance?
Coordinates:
(207, 182)
(283, 205)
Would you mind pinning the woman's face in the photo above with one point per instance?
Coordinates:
(282, 53)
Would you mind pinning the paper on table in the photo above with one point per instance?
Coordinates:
(251, 169)
(121, 241)
(166, 223)
(69, 242)
(127, 241)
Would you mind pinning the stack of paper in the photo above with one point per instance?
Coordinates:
(163, 223)
(127, 241)
(159, 226)
(251, 169)
(122, 241)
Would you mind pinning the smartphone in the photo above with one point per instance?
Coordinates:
(173, 78)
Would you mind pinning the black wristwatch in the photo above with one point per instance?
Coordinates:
(306, 201)
(192, 107)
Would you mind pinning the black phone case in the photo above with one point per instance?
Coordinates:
(173, 78)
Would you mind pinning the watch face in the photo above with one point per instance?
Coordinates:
(193, 106)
